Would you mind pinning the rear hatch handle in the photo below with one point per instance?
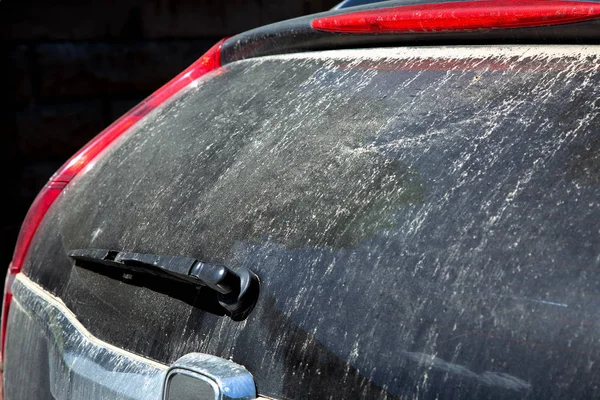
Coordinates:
(237, 291)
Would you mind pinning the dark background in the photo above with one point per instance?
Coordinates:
(72, 67)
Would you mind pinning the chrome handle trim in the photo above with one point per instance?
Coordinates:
(231, 380)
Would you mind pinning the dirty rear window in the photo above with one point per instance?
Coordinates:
(424, 222)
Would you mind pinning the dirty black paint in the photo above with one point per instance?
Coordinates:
(424, 222)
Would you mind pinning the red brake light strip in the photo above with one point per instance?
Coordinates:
(460, 16)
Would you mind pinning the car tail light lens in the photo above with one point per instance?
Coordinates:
(460, 16)
(211, 60)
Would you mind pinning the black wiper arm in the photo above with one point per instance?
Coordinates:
(237, 291)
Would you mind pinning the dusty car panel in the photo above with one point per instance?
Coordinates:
(422, 221)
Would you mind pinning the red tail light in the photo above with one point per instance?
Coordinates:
(460, 16)
(209, 61)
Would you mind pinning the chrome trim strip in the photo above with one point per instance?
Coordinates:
(44, 335)
(78, 364)
(58, 304)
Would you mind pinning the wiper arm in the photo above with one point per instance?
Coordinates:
(237, 291)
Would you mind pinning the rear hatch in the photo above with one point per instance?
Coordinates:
(423, 222)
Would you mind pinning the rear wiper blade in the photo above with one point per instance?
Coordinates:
(237, 290)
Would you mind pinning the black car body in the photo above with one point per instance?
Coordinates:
(420, 208)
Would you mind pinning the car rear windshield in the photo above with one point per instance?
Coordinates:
(424, 221)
